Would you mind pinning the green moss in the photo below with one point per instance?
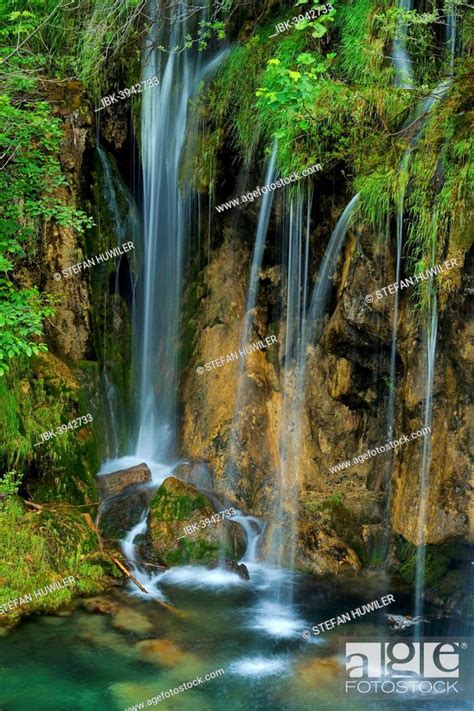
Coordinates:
(440, 565)
(168, 506)
(363, 39)
(39, 397)
(332, 100)
(39, 548)
(192, 552)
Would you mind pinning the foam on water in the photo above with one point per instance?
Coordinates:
(264, 576)
(277, 621)
(196, 576)
(259, 666)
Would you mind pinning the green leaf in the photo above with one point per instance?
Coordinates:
(319, 31)
(305, 58)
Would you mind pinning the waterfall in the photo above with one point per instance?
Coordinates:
(163, 126)
(122, 207)
(250, 303)
(421, 113)
(401, 57)
(166, 217)
(326, 273)
(282, 550)
(451, 32)
(423, 491)
(262, 227)
(301, 328)
(125, 223)
(403, 170)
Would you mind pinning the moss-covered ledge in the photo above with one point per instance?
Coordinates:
(43, 545)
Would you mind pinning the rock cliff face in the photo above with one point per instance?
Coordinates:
(343, 516)
(231, 413)
(70, 330)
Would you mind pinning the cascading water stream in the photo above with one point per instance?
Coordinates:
(277, 613)
(165, 207)
(403, 170)
(327, 269)
(122, 207)
(284, 517)
(423, 492)
(251, 300)
(421, 113)
(262, 228)
(419, 117)
(451, 33)
(254, 529)
(125, 221)
(167, 222)
(401, 57)
(300, 330)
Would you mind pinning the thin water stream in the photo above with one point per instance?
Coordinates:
(401, 57)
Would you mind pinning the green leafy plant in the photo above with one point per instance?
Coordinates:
(10, 483)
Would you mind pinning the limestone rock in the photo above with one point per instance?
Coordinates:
(176, 505)
(114, 483)
(119, 514)
(162, 652)
(101, 605)
(129, 620)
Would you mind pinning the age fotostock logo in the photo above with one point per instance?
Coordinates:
(405, 667)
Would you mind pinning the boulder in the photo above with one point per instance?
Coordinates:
(177, 533)
(401, 622)
(114, 483)
(196, 473)
(119, 514)
(128, 620)
(101, 605)
(162, 652)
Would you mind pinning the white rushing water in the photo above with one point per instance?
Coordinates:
(402, 64)
(302, 327)
(125, 222)
(295, 239)
(166, 228)
(400, 55)
(326, 272)
(403, 170)
(254, 529)
(250, 303)
(423, 491)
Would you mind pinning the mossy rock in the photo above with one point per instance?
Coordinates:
(445, 576)
(177, 501)
(176, 505)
